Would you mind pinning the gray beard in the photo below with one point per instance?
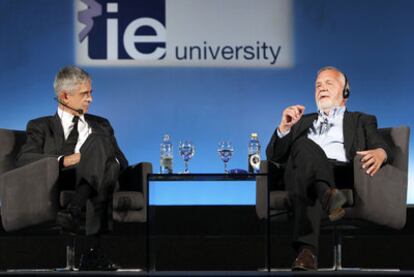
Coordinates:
(326, 107)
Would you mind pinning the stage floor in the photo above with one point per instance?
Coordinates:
(205, 273)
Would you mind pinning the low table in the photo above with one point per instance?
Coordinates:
(190, 177)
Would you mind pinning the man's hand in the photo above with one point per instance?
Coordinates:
(71, 159)
(290, 117)
(372, 160)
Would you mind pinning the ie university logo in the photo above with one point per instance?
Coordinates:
(120, 30)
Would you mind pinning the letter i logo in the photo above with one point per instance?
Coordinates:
(112, 32)
(115, 30)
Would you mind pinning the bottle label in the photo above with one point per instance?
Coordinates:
(254, 163)
(166, 165)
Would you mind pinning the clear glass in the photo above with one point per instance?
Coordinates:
(225, 150)
(187, 151)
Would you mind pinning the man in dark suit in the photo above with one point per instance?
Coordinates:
(89, 157)
(318, 149)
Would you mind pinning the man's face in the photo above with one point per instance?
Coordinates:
(329, 86)
(80, 97)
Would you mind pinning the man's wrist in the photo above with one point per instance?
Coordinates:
(284, 128)
(385, 155)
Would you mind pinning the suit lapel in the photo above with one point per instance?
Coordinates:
(58, 132)
(306, 124)
(349, 128)
(92, 124)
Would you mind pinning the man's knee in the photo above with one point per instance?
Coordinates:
(97, 143)
(111, 175)
(112, 170)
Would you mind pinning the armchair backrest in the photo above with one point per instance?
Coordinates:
(398, 139)
(10, 143)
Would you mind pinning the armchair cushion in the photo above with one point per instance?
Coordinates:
(128, 200)
(128, 206)
(279, 200)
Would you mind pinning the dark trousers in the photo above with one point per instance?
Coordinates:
(99, 169)
(307, 166)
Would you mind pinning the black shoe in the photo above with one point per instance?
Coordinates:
(332, 202)
(96, 260)
(69, 223)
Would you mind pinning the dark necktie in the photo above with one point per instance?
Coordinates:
(70, 143)
(324, 126)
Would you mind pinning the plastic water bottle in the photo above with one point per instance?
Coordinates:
(166, 155)
(254, 154)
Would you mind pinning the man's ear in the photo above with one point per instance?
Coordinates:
(63, 96)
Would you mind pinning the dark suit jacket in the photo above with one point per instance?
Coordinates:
(45, 138)
(360, 133)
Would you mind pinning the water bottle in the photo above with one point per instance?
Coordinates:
(166, 155)
(254, 154)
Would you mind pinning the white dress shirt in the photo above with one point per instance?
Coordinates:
(67, 125)
(327, 132)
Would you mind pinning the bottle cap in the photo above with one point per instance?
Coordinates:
(254, 135)
(166, 137)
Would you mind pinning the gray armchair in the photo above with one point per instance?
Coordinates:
(29, 196)
(381, 199)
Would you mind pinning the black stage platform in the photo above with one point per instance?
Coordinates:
(210, 273)
(210, 241)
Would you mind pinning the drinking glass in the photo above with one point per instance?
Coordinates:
(187, 151)
(225, 150)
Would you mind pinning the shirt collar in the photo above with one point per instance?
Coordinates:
(68, 117)
(333, 113)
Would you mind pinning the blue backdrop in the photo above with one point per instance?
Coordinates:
(371, 40)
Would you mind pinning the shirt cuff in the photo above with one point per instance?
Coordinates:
(281, 134)
(60, 160)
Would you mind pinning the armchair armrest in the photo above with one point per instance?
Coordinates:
(129, 203)
(380, 199)
(134, 178)
(262, 191)
(273, 180)
(27, 194)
